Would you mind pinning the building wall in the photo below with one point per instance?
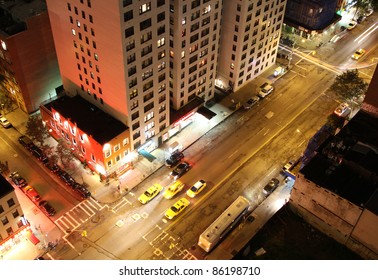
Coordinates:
(33, 72)
(104, 159)
(119, 64)
(249, 40)
(310, 14)
(10, 212)
(195, 27)
(364, 236)
(335, 216)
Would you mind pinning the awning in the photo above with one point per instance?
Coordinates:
(207, 113)
(147, 155)
(32, 237)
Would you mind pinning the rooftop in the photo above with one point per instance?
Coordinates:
(14, 13)
(347, 163)
(90, 119)
(5, 186)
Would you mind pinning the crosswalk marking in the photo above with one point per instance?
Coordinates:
(78, 215)
(120, 204)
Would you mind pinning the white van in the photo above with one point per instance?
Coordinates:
(265, 89)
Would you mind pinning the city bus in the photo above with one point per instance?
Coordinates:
(224, 224)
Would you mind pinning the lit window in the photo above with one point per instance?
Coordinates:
(73, 32)
(161, 42)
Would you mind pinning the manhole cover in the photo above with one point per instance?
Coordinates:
(144, 215)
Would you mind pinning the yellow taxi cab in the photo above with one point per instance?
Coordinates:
(176, 208)
(150, 193)
(196, 188)
(173, 189)
(358, 54)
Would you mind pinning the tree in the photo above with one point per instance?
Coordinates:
(64, 153)
(374, 4)
(36, 130)
(349, 85)
(362, 5)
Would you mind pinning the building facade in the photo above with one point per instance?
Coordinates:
(249, 42)
(336, 191)
(310, 17)
(115, 54)
(12, 220)
(28, 74)
(101, 142)
(194, 47)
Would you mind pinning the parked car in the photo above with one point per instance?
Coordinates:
(173, 189)
(46, 208)
(265, 89)
(251, 102)
(18, 179)
(271, 186)
(81, 190)
(343, 110)
(150, 193)
(351, 25)
(32, 193)
(26, 142)
(358, 54)
(174, 159)
(38, 154)
(66, 178)
(180, 170)
(53, 167)
(4, 122)
(288, 166)
(361, 18)
(196, 188)
(176, 208)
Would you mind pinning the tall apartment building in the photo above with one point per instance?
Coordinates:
(250, 37)
(29, 71)
(115, 54)
(152, 64)
(194, 41)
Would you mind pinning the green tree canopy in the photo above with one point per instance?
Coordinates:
(349, 85)
(362, 6)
